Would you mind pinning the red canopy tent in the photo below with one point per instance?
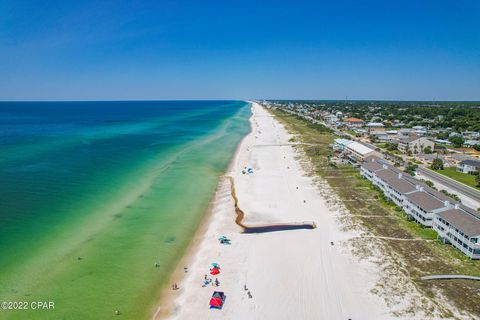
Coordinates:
(217, 300)
(214, 271)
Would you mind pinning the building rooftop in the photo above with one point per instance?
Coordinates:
(353, 120)
(393, 180)
(439, 195)
(375, 124)
(373, 166)
(409, 139)
(463, 221)
(473, 163)
(343, 142)
(419, 128)
(359, 148)
(470, 211)
(425, 200)
(471, 142)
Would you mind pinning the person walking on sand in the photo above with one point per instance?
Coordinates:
(217, 283)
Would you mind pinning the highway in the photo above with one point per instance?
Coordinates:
(452, 184)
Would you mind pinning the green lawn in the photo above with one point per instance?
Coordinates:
(451, 172)
(353, 133)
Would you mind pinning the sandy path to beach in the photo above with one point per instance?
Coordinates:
(295, 274)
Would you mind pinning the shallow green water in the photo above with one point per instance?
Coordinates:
(89, 206)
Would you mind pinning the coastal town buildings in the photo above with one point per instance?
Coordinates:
(455, 224)
(375, 127)
(414, 143)
(420, 130)
(354, 151)
(424, 203)
(469, 166)
(460, 227)
(471, 143)
(331, 118)
(354, 122)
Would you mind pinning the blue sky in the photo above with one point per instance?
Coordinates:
(95, 50)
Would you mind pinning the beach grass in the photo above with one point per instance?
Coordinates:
(368, 207)
(468, 179)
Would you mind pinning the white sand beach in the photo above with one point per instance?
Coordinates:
(295, 274)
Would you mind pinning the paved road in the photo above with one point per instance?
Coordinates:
(452, 184)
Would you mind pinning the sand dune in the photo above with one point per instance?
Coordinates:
(294, 274)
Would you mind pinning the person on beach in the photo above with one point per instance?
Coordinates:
(217, 283)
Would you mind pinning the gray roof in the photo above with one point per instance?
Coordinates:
(470, 211)
(439, 195)
(463, 221)
(410, 138)
(398, 184)
(373, 166)
(425, 200)
(473, 163)
(405, 184)
(387, 174)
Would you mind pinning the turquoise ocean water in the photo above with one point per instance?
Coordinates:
(93, 194)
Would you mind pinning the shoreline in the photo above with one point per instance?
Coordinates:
(167, 295)
(288, 274)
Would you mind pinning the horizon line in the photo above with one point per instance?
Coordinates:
(245, 100)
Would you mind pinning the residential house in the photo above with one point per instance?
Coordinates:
(354, 123)
(460, 227)
(422, 204)
(455, 224)
(340, 144)
(355, 151)
(393, 185)
(420, 130)
(471, 134)
(380, 136)
(469, 166)
(331, 118)
(375, 127)
(471, 143)
(414, 144)
(445, 142)
(360, 132)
